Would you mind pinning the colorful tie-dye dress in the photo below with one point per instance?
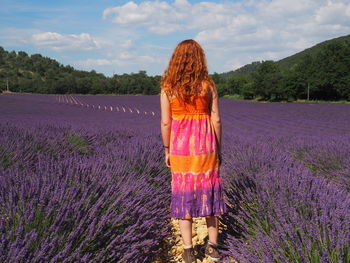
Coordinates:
(196, 183)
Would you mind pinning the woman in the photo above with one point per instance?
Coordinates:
(191, 133)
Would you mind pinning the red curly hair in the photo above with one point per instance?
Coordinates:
(186, 72)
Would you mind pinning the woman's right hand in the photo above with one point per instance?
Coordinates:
(167, 160)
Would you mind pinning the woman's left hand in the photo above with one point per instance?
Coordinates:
(167, 159)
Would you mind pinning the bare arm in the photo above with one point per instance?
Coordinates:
(215, 117)
(165, 122)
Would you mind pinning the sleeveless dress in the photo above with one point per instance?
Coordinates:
(196, 184)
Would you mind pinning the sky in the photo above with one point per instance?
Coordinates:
(116, 37)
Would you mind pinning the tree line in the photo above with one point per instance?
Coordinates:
(38, 74)
(322, 76)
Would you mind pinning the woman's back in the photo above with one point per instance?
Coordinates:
(193, 160)
(201, 105)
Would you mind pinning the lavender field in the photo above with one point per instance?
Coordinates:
(83, 179)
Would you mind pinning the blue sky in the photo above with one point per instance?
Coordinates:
(128, 36)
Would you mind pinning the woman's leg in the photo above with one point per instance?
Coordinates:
(186, 231)
(212, 225)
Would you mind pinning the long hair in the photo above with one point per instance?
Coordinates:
(186, 71)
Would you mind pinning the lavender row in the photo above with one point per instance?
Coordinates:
(279, 210)
(70, 196)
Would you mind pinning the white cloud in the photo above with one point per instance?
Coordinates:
(126, 43)
(58, 42)
(165, 29)
(236, 23)
(123, 59)
(164, 18)
(287, 10)
(159, 17)
(333, 13)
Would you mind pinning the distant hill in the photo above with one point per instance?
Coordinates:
(245, 70)
(288, 62)
(291, 61)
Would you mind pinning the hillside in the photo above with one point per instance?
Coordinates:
(292, 61)
(288, 62)
(245, 70)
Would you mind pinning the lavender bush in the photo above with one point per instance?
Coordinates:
(70, 196)
(280, 212)
(82, 179)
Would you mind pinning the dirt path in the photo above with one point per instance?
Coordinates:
(199, 237)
